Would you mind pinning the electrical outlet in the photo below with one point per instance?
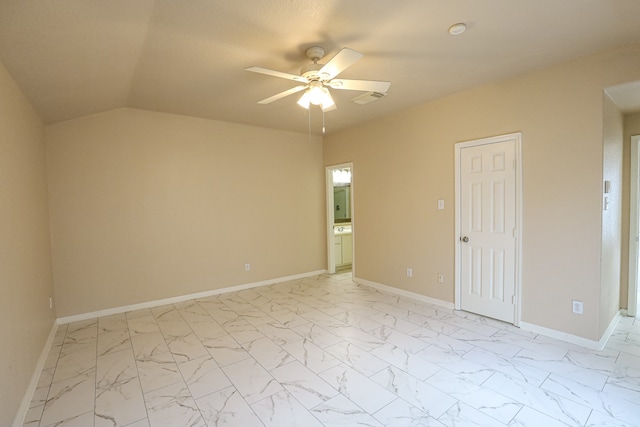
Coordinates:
(50, 303)
(578, 307)
(247, 267)
(409, 272)
(441, 278)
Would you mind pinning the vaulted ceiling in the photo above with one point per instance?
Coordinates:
(78, 57)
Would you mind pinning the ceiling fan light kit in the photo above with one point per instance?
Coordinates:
(318, 78)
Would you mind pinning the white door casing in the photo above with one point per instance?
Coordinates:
(487, 227)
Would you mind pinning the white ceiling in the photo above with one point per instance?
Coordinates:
(78, 57)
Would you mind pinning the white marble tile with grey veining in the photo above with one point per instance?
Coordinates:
(32, 417)
(307, 387)
(358, 337)
(81, 420)
(310, 355)
(324, 350)
(70, 398)
(403, 359)
(113, 323)
(546, 402)
(203, 376)
(110, 342)
(282, 410)
(399, 413)
(173, 406)
(158, 371)
(464, 415)
(227, 408)
(225, 350)
(252, 380)
(267, 353)
(489, 343)
(278, 333)
(115, 367)
(317, 335)
(142, 325)
(341, 412)
(359, 389)
(287, 318)
(185, 347)
(207, 329)
(357, 358)
(423, 396)
(120, 404)
(564, 368)
(397, 338)
(242, 331)
(496, 405)
(395, 322)
(147, 345)
(601, 401)
(529, 417)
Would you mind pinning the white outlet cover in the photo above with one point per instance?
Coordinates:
(577, 307)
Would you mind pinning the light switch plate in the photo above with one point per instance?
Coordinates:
(440, 204)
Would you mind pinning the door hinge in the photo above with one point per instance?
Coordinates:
(515, 232)
(513, 299)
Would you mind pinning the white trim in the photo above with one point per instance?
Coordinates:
(331, 260)
(517, 137)
(574, 339)
(181, 298)
(402, 292)
(19, 419)
(632, 282)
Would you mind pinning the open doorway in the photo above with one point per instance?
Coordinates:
(340, 219)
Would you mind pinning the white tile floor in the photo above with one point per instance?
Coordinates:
(324, 351)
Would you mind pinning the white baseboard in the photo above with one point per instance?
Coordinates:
(181, 298)
(574, 339)
(392, 290)
(35, 377)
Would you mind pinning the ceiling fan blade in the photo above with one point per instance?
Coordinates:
(277, 74)
(363, 85)
(343, 60)
(282, 95)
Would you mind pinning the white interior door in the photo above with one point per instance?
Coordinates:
(487, 229)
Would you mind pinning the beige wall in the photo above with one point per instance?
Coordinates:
(405, 162)
(25, 263)
(631, 127)
(612, 217)
(146, 206)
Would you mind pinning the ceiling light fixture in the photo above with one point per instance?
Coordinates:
(317, 94)
(457, 29)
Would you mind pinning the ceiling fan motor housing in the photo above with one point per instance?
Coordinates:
(311, 71)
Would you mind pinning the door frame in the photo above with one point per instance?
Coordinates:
(634, 198)
(331, 261)
(517, 138)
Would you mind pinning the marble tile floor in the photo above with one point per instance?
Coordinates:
(324, 351)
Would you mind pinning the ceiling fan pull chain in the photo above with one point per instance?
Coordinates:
(323, 122)
(309, 114)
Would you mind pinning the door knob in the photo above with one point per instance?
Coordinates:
(464, 239)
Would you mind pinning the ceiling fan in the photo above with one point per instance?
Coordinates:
(317, 78)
